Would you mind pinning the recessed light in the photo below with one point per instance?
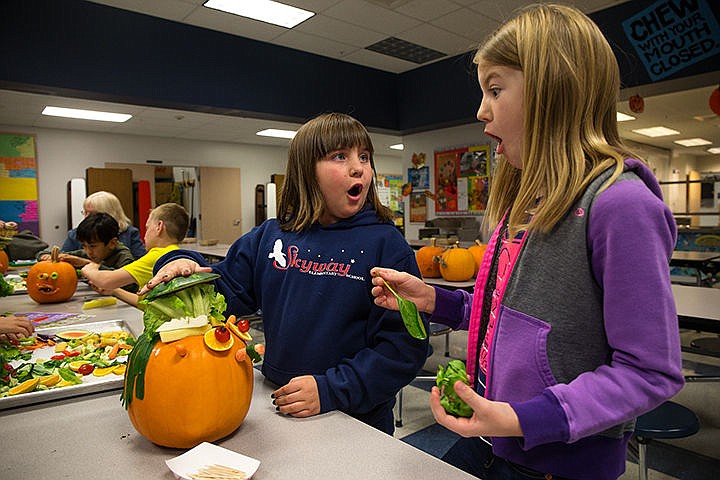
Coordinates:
(398, 146)
(693, 142)
(86, 114)
(714, 150)
(264, 10)
(656, 131)
(621, 117)
(274, 132)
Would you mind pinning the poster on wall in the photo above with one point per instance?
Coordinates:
(419, 178)
(18, 181)
(389, 188)
(418, 207)
(461, 179)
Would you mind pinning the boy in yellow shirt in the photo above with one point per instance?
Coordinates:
(165, 228)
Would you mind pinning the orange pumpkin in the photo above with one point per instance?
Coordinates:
(457, 264)
(4, 261)
(477, 251)
(51, 281)
(192, 394)
(428, 264)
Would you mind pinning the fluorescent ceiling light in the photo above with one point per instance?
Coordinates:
(264, 10)
(274, 132)
(715, 150)
(398, 146)
(656, 131)
(86, 114)
(621, 117)
(693, 142)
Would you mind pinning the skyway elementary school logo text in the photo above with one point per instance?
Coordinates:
(292, 259)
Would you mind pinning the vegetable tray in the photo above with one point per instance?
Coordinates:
(90, 383)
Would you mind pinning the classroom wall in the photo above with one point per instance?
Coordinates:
(65, 154)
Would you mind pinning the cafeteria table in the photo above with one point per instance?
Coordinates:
(704, 263)
(91, 436)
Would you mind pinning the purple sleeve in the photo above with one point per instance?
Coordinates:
(452, 308)
(631, 236)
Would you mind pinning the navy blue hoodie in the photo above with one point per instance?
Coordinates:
(313, 288)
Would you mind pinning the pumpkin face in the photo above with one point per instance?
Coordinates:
(4, 261)
(457, 265)
(51, 281)
(425, 257)
(192, 394)
(477, 251)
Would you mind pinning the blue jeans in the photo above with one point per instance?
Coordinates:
(475, 457)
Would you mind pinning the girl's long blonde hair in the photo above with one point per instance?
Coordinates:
(571, 84)
(301, 202)
(106, 202)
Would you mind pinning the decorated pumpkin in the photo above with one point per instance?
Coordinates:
(51, 281)
(189, 377)
(457, 264)
(427, 261)
(192, 394)
(477, 251)
(4, 261)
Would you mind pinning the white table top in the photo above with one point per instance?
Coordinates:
(697, 302)
(219, 250)
(91, 436)
(692, 256)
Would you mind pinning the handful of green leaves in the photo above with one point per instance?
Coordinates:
(445, 381)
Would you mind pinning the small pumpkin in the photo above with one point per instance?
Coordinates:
(477, 251)
(4, 261)
(428, 264)
(457, 264)
(51, 281)
(192, 394)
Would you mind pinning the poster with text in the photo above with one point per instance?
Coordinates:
(18, 181)
(419, 178)
(462, 179)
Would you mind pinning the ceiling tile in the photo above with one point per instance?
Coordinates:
(327, 27)
(314, 44)
(442, 40)
(466, 23)
(427, 9)
(368, 15)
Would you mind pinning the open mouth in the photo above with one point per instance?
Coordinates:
(355, 190)
(46, 289)
(500, 148)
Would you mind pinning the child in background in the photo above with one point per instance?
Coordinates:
(106, 202)
(327, 344)
(98, 235)
(165, 228)
(572, 323)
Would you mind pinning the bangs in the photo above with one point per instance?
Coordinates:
(340, 131)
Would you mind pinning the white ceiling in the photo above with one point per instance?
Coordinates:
(342, 29)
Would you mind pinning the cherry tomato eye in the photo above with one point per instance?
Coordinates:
(86, 369)
(54, 275)
(43, 276)
(243, 325)
(222, 334)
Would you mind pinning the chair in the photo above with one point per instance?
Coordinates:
(669, 420)
(436, 329)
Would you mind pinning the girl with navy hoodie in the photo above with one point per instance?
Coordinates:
(328, 346)
(572, 329)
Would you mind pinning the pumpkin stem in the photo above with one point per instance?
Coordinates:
(54, 253)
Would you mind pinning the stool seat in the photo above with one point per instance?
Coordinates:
(669, 420)
(439, 329)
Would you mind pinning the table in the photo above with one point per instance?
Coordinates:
(701, 262)
(91, 436)
(212, 253)
(698, 308)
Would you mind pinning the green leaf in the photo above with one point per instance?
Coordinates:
(446, 379)
(410, 316)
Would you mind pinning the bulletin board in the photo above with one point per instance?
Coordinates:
(18, 181)
(462, 179)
